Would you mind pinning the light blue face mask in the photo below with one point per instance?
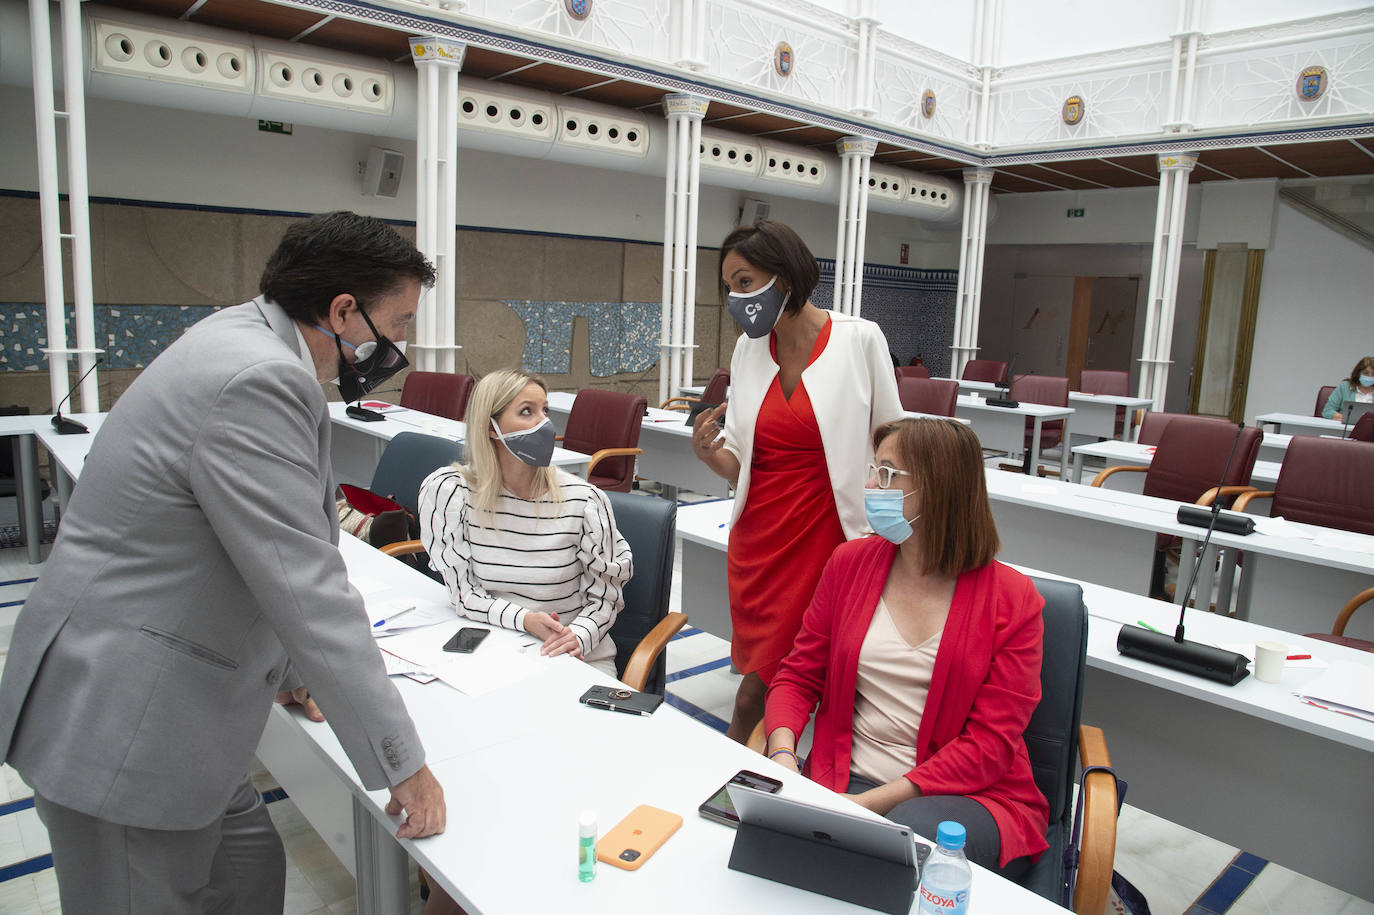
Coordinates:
(1366, 381)
(884, 510)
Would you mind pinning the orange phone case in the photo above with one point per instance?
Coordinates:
(643, 830)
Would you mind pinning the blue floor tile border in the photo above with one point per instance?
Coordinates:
(24, 868)
(1229, 885)
(12, 603)
(16, 806)
(693, 711)
(686, 631)
(717, 664)
(276, 794)
(18, 581)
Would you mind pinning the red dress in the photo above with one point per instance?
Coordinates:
(787, 530)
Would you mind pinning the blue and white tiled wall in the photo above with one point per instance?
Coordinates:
(131, 335)
(915, 309)
(623, 338)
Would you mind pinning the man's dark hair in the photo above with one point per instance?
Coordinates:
(337, 253)
(774, 247)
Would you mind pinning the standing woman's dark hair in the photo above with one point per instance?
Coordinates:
(775, 248)
(336, 253)
(1364, 365)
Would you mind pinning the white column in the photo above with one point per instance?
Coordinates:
(1163, 288)
(865, 60)
(969, 292)
(855, 155)
(78, 202)
(50, 220)
(681, 182)
(437, 65)
(686, 18)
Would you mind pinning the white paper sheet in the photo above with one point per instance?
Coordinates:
(1345, 687)
(475, 674)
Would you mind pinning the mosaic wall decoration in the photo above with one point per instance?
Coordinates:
(131, 335)
(915, 309)
(624, 335)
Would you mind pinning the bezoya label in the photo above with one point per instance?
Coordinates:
(936, 901)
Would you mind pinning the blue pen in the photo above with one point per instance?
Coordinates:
(395, 616)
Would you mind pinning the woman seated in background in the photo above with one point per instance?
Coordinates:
(1358, 388)
(924, 656)
(520, 544)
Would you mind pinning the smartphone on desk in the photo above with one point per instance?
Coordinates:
(718, 806)
(466, 640)
(620, 699)
(634, 839)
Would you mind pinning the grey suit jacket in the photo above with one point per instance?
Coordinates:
(198, 554)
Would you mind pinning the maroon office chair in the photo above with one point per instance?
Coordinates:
(1363, 430)
(437, 393)
(1050, 390)
(1337, 633)
(1102, 381)
(916, 360)
(1153, 424)
(714, 392)
(935, 396)
(1323, 395)
(606, 424)
(912, 371)
(985, 370)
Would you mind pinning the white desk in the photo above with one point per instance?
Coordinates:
(518, 765)
(357, 445)
(666, 441)
(1301, 424)
(1264, 475)
(22, 433)
(971, 387)
(1230, 762)
(1095, 414)
(1004, 428)
(68, 452)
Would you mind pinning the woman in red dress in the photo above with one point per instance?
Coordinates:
(808, 386)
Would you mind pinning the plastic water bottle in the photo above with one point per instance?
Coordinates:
(946, 877)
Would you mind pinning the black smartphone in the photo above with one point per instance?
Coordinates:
(718, 806)
(465, 641)
(620, 699)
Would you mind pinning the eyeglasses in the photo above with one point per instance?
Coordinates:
(885, 474)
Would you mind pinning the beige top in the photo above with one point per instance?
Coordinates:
(889, 697)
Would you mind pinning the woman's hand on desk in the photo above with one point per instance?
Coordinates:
(421, 798)
(557, 638)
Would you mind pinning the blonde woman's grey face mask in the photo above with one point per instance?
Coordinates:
(534, 446)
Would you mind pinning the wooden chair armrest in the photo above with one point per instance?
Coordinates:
(1097, 849)
(678, 400)
(1246, 498)
(403, 548)
(1211, 495)
(1356, 602)
(1101, 477)
(649, 648)
(604, 453)
(558, 438)
(758, 738)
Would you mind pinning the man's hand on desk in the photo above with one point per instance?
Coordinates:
(421, 797)
(301, 696)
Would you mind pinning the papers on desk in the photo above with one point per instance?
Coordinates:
(390, 613)
(399, 667)
(1280, 527)
(382, 406)
(492, 666)
(1341, 540)
(1346, 687)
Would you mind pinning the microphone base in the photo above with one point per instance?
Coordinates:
(67, 426)
(364, 414)
(1002, 402)
(1226, 667)
(1227, 521)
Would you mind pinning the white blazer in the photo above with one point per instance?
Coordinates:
(853, 391)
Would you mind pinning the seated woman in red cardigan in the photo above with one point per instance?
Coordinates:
(924, 656)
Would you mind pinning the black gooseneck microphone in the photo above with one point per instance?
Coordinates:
(358, 411)
(65, 425)
(1004, 400)
(1227, 667)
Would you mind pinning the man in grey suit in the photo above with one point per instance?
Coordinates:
(196, 576)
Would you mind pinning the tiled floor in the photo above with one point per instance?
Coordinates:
(1172, 866)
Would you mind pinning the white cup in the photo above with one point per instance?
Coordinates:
(1269, 658)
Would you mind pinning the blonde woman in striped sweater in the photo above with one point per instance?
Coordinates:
(521, 544)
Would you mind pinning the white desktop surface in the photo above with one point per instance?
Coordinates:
(1096, 416)
(1264, 475)
(520, 764)
(1004, 428)
(1196, 752)
(1301, 424)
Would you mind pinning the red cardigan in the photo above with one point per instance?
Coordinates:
(985, 685)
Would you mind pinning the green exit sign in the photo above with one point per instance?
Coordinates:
(1076, 213)
(274, 127)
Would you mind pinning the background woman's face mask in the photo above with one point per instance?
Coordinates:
(757, 312)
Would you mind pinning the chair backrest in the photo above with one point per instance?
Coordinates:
(985, 370)
(1050, 390)
(606, 419)
(1363, 430)
(928, 395)
(407, 460)
(1052, 734)
(437, 393)
(648, 525)
(1102, 381)
(1193, 452)
(717, 387)
(912, 371)
(1327, 481)
(1323, 395)
(1152, 426)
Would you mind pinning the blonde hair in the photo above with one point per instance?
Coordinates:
(482, 469)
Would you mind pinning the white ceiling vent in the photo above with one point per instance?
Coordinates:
(605, 131)
(787, 165)
(170, 57)
(929, 194)
(299, 78)
(730, 152)
(887, 185)
(479, 109)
